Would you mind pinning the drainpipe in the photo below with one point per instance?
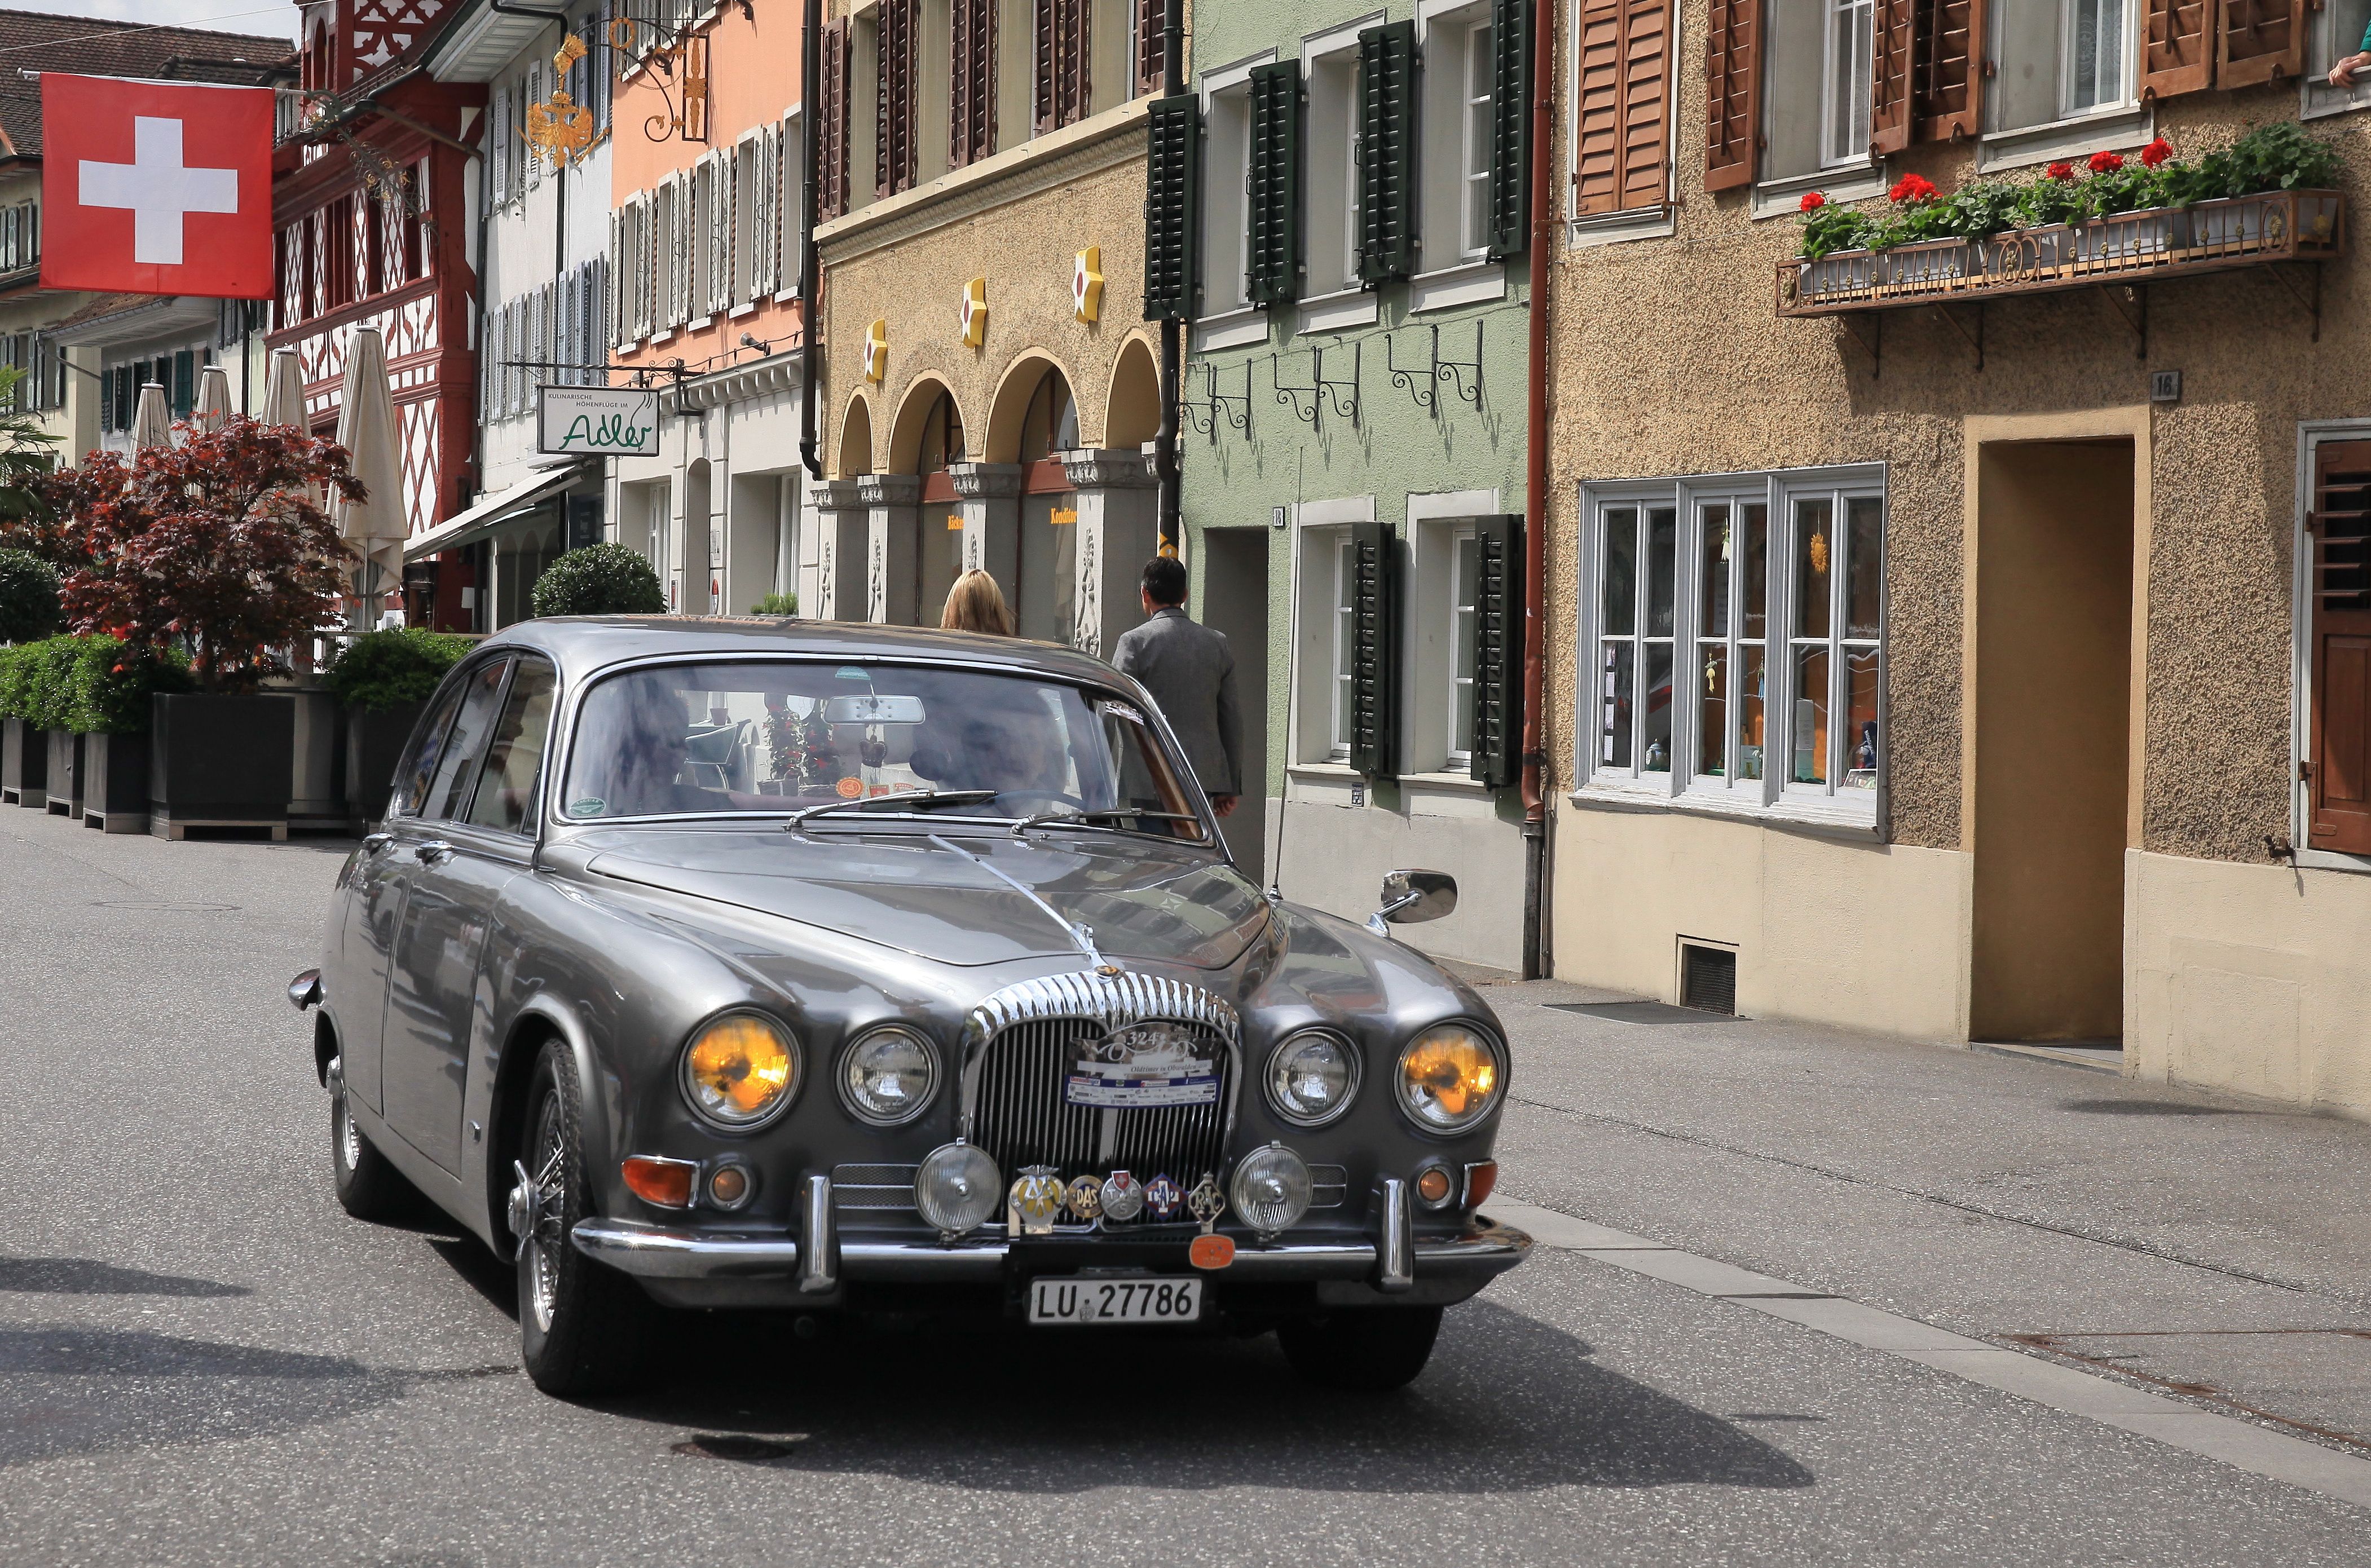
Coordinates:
(810, 96)
(1164, 447)
(1536, 490)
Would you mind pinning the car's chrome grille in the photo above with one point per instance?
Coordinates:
(1020, 1118)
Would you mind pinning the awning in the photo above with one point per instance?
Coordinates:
(468, 527)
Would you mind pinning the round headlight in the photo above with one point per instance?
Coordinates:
(1311, 1078)
(740, 1070)
(957, 1187)
(1450, 1078)
(885, 1078)
(1270, 1189)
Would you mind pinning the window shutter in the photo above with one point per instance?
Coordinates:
(1374, 651)
(498, 159)
(2259, 40)
(1060, 40)
(618, 222)
(1893, 66)
(1624, 79)
(1273, 199)
(1733, 71)
(2177, 47)
(1511, 124)
(893, 141)
(1948, 81)
(1172, 194)
(1151, 37)
(2339, 649)
(971, 117)
(762, 154)
(604, 326)
(831, 137)
(1495, 746)
(1387, 152)
(1075, 81)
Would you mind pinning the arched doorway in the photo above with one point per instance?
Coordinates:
(855, 454)
(1132, 415)
(929, 442)
(1049, 585)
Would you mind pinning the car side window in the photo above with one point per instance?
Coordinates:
(428, 749)
(448, 787)
(505, 800)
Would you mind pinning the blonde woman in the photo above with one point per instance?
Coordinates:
(975, 604)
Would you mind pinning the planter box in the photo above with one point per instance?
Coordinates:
(374, 745)
(219, 762)
(24, 765)
(2027, 253)
(1930, 264)
(115, 783)
(2145, 236)
(65, 779)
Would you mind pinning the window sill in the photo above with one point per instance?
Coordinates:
(1231, 329)
(698, 322)
(1847, 182)
(2331, 860)
(1469, 282)
(2065, 138)
(1333, 312)
(1831, 815)
(658, 337)
(747, 307)
(787, 297)
(1462, 783)
(1615, 228)
(2316, 99)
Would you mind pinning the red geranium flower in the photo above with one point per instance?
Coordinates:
(2105, 163)
(1913, 188)
(2061, 169)
(2157, 152)
(1813, 201)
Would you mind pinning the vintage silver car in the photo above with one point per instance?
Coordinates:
(714, 963)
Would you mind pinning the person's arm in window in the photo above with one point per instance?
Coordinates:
(2342, 74)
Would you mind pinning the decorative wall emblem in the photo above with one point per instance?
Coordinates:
(876, 351)
(975, 313)
(560, 129)
(1087, 283)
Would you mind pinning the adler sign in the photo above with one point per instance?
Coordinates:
(597, 422)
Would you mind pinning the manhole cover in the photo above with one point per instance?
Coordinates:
(168, 905)
(737, 1446)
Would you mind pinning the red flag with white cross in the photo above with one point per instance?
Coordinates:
(160, 188)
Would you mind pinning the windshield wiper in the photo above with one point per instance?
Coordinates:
(1069, 818)
(896, 798)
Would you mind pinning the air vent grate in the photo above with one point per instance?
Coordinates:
(1707, 978)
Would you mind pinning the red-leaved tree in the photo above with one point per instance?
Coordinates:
(217, 544)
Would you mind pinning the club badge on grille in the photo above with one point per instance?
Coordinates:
(1037, 1199)
(1143, 1066)
(1162, 1196)
(1122, 1197)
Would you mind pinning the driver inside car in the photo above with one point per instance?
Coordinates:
(645, 774)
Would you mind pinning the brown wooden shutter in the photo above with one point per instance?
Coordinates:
(1152, 23)
(1061, 33)
(2339, 649)
(893, 138)
(971, 120)
(1733, 77)
(1624, 93)
(2259, 40)
(831, 130)
(1948, 81)
(1893, 56)
(2177, 47)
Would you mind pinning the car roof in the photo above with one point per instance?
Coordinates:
(581, 645)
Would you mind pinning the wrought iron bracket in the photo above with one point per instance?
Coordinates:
(1427, 395)
(1333, 389)
(2308, 298)
(1973, 339)
(2136, 318)
(1202, 414)
(1454, 369)
(1291, 395)
(1219, 401)
(1873, 340)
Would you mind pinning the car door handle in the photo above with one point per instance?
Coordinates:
(435, 852)
(375, 842)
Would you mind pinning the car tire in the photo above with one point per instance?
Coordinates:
(368, 1186)
(584, 1329)
(1370, 1351)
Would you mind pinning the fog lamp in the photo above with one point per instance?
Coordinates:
(740, 1070)
(728, 1185)
(1270, 1189)
(957, 1188)
(1434, 1186)
(1450, 1078)
(666, 1182)
(1311, 1078)
(885, 1078)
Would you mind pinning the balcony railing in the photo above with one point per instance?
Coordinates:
(2127, 248)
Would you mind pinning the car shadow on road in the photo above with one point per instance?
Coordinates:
(1509, 1404)
(88, 1277)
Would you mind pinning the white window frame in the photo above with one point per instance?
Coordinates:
(1227, 316)
(1433, 752)
(1850, 151)
(2013, 34)
(2329, 42)
(1832, 804)
(2128, 68)
(1332, 298)
(1475, 166)
(1320, 531)
(1342, 633)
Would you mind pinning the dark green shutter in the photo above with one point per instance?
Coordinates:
(1275, 194)
(1387, 152)
(1510, 123)
(1496, 745)
(1173, 184)
(1374, 651)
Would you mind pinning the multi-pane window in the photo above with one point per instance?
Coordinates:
(1465, 573)
(2096, 54)
(1737, 634)
(1345, 646)
(1473, 171)
(1354, 212)
(1844, 98)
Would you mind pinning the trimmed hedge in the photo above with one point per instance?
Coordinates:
(776, 605)
(28, 597)
(87, 684)
(600, 579)
(381, 669)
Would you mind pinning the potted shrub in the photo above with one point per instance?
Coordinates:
(216, 545)
(598, 580)
(108, 704)
(24, 749)
(28, 612)
(50, 696)
(381, 681)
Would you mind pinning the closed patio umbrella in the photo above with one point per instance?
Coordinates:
(375, 526)
(152, 422)
(213, 399)
(283, 391)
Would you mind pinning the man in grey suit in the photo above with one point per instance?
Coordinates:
(1190, 672)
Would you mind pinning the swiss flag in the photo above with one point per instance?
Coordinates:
(160, 188)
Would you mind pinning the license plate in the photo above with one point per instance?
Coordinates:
(1093, 1300)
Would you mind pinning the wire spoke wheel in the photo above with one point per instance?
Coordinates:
(547, 1219)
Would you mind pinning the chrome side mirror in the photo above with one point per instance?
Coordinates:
(1409, 897)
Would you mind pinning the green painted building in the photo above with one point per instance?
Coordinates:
(1339, 214)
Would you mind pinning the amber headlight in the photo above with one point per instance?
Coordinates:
(1450, 1078)
(741, 1070)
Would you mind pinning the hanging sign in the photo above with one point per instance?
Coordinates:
(597, 422)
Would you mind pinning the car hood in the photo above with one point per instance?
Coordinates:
(1139, 898)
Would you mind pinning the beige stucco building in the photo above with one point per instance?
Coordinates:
(1951, 668)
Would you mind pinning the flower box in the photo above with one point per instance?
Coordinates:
(115, 783)
(2132, 237)
(65, 791)
(219, 761)
(24, 765)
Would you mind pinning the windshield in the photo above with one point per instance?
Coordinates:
(779, 736)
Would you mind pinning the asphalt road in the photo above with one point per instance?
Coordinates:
(202, 1360)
